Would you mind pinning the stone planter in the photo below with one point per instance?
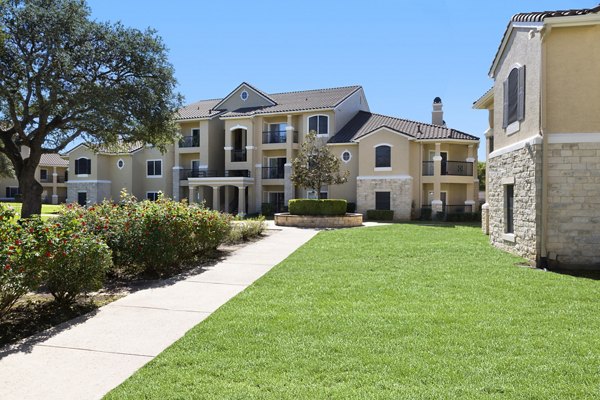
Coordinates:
(319, 221)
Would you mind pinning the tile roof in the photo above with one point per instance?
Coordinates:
(486, 94)
(318, 99)
(118, 148)
(365, 122)
(539, 16)
(53, 160)
(199, 109)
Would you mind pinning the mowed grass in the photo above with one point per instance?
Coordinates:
(400, 311)
(48, 210)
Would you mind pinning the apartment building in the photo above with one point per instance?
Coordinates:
(235, 155)
(51, 173)
(543, 142)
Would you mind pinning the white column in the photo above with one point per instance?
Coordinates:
(192, 197)
(258, 189)
(436, 204)
(241, 200)
(216, 199)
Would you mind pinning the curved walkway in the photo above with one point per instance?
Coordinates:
(87, 357)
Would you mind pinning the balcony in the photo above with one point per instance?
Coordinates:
(238, 155)
(273, 173)
(273, 137)
(189, 141)
(61, 179)
(185, 174)
(453, 168)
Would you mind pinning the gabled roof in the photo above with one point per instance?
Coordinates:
(365, 123)
(118, 148)
(318, 99)
(249, 86)
(536, 17)
(53, 160)
(200, 109)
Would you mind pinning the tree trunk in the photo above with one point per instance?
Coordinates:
(31, 192)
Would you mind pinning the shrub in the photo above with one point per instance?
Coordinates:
(317, 207)
(380, 215)
(351, 208)
(246, 229)
(20, 269)
(463, 217)
(155, 237)
(267, 209)
(74, 262)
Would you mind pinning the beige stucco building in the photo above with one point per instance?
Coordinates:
(235, 155)
(51, 173)
(543, 142)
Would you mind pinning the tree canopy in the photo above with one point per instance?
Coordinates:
(316, 166)
(64, 77)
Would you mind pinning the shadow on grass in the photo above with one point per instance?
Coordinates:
(579, 273)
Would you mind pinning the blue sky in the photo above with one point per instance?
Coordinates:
(404, 53)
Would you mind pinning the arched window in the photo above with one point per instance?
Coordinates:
(514, 96)
(319, 124)
(383, 156)
(83, 166)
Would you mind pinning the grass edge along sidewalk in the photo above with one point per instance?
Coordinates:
(399, 311)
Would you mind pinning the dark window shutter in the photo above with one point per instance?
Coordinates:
(158, 167)
(150, 165)
(76, 167)
(88, 163)
(505, 105)
(521, 95)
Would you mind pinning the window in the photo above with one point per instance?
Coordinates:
(244, 95)
(195, 137)
(491, 143)
(152, 196)
(382, 200)
(509, 192)
(319, 124)
(514, 97)
(346, 156)
(12, 192)
(43, 174)
(83, 166)
(323, 195)
(383, 156)
(120, 164)
(154, 168)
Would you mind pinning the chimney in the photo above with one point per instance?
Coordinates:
(437, 115)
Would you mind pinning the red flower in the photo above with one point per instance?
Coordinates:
(18, 242)
(7, 267)
(48, 254)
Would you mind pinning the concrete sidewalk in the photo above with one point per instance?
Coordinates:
(87, 357)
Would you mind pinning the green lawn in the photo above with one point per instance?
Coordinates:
(47, 209)
(400, 311)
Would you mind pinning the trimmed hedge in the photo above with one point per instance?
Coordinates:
(380, 215)
(463, 217)
(317, 207)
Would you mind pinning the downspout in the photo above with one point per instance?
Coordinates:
(543, 258)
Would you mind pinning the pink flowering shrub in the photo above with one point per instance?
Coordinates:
(154, 237)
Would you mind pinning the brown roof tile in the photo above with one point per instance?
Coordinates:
(53, 160)
(286, 102)
(365, 122)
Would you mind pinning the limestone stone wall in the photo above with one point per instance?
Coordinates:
(524, 166)
(573, 221)
(400, 189)
(96, 191)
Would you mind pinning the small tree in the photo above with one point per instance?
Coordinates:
(481, 174)
(316, 166)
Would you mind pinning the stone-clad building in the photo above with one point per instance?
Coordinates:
(543, 143)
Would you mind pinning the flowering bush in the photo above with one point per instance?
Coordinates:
(74, 262)
(155, 237)
(20, 269)
(246, 229)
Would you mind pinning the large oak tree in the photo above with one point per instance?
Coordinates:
(66, 77)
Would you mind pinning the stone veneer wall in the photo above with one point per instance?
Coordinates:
(525, 166)
(573, 220)
(400, 197)
(96, 191)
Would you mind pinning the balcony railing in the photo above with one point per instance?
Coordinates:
(426, 209)
(456, 168)
(270, 137)
(273, 173)
(61, 179)
(47, 179)
(238, 155)
(185, 174)
(189, 141)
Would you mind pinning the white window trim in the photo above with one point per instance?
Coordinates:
(120, 160)
(83, 175)
(383, 191)
(161, 169)
(318, 115)
(342, 156)
(242, 95)
(375, 160)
